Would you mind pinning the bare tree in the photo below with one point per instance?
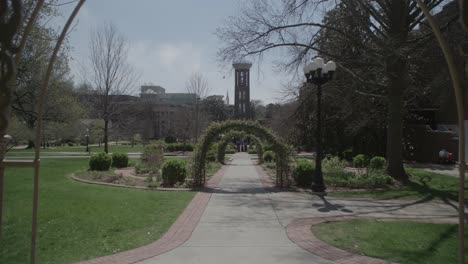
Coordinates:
(110, 73)
(383, 34)
(197, 84)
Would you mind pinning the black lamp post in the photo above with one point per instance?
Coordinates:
(318, 73)
(87, 139)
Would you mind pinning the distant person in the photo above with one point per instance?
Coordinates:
(444, 156)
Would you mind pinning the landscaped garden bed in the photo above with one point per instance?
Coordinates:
(402, 242)
(365, 179)
(152, 171)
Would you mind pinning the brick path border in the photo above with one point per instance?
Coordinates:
(299, 231)
(177, 234)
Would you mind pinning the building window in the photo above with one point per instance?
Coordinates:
(242, 79)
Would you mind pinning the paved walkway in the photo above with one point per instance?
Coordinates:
(244, 222)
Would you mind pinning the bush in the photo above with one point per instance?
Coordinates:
(361, 161)
(140, 169)
(230, 151)
(267, 147)
(179, 147)
(252, 151)
(170, 139)
(333, 165)
(100, 162)
(377, 163)
(153, 157)
(348, 154)
(119, 160)
(303, 173)
(174, 171)
(268, 156)
(373, 179)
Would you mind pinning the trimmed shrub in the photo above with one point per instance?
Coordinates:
(153, 157)
(377, 163)
(100, 162)
(230, 151)
(174, 171)
(179, 147)
(268, 156)
(334, 165)
(119, 160)
(361, 161)
(303, 173)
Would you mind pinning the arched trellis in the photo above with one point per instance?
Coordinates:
(238, 134)
(213, 132)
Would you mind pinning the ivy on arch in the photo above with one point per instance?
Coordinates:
(238, 134)
(214, 131)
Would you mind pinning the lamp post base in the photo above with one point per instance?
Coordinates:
(318, 189)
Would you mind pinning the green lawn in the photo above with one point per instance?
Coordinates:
(80, 221)
(112, 148)
(423, 185)
(401, 242)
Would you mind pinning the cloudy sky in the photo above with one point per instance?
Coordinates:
(169, 40)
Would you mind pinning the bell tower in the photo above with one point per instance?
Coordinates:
(242, 90)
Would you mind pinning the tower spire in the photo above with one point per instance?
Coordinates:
(227, 97)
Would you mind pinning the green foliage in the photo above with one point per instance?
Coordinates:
(348, 154)
(377, 163)
(252, 150)
(268, 156)
(179, 147)
(140, 168)
(153, 157)
(211, 155)
(170, 139)
(333, 165)
(100, 161)
(174, 171)
(268, 147)
(360, 161)
(303, 173)
(230, 151)
(250, 128)
(373, 179)
(119, 160)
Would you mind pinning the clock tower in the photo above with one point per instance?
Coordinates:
(242, 90)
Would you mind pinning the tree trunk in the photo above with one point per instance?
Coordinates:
(397, 75)
(106, 138)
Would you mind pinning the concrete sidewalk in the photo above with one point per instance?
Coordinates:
(245, 222)
(239, 225)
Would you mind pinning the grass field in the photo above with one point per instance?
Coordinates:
(423, 185)
(80, 221)
(401, 242)
(112, 148)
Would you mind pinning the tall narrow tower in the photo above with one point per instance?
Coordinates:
(242, 90)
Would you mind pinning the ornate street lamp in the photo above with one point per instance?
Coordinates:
(318, 73)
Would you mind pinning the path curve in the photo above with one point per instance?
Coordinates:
(177, 234)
